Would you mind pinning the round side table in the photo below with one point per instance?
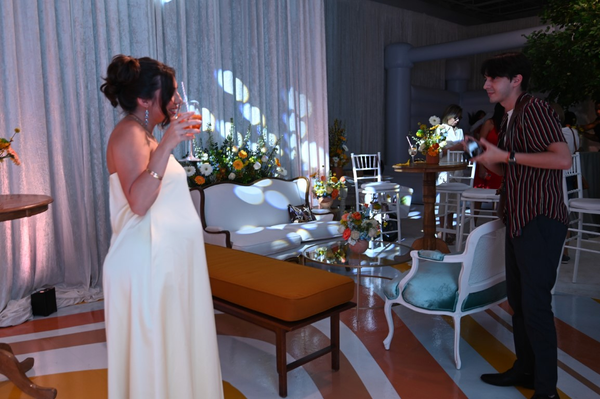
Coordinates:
(16, 206)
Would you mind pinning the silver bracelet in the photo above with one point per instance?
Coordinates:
(154, 174)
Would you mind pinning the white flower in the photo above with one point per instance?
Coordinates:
(257, 166)
(329, 189)
(372, 232)
(264, 158)
(231, 176)
(263, 150)
(205, 157)
(189, 170)
(434, 120)
(443, 144)
(335, 160)
(206, 169)
(341, 229)
(355, 235)
(281, 171)
(234, 148)
(344, 147)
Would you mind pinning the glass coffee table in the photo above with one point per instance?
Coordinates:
(339, 254)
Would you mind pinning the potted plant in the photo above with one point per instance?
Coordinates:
(338, 151)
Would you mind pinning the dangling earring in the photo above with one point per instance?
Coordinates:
(146, 117)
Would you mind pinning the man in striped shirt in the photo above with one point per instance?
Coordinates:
(531, 154)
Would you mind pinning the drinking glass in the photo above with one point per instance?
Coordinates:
(192, 106)
(412, 151)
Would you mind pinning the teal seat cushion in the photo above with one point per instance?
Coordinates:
(485, 297)
(434, 287)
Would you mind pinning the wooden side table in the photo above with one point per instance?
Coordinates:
(429, 240)
(16, 206)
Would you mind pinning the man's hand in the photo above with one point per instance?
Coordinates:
(492, 157)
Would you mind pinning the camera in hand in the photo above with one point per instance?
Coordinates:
(473, 150)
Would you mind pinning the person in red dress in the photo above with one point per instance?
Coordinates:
(485, 178)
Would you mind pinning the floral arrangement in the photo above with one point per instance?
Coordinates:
(357, 226)
(325, 187)
(431, 140)
(241, 162)
(335, 254)
(6, 151)
(338, 156)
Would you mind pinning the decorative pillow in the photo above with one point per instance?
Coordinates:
(429, 254)
(300, 213)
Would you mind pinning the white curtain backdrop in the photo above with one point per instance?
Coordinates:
(260, 62)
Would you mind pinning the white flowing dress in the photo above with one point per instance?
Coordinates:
(160, 323)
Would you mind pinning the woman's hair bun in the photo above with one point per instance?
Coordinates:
(122, 71)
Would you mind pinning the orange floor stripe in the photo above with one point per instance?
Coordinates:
(578, 345)
(408, 365)
(88, 384)
(61, 341)
(54, 323)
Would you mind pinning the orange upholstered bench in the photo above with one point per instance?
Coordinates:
(280, 296)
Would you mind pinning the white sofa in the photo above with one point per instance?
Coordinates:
(255, 218)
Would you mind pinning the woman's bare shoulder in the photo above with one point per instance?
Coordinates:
(127, 140)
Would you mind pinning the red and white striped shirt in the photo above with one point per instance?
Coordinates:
(531, 192)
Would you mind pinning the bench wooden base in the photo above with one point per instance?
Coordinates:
(15, 371)
(281, 327)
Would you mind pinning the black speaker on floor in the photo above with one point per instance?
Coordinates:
(43, 302)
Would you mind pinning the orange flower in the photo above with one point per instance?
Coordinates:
(238, 165)
(356, 216)
(335, 193)
(199, 180)
(278, 163)
(243, 154)
(346, 234)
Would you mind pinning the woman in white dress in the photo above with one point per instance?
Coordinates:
(454, 138)
(160, 325)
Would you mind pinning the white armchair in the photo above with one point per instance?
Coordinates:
(455, 285)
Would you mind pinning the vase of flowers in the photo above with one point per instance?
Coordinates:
(338, 151)
(6, 151)
(358, 228)
(360, 247)
(241, 161)
(431, 140)
(327, 189)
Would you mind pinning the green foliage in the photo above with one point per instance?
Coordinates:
(566, 55)
(338, 156)
(241, 162)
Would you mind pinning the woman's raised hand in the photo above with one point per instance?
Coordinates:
(181, 129)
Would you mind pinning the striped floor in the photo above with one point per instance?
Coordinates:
(69, 348)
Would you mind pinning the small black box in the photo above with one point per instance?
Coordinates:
(43, 302)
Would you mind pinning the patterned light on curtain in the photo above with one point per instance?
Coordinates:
(54, 55)
(259, 62)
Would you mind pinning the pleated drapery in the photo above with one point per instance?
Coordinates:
(260, 62)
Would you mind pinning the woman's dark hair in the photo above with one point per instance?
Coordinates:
(128, 78)
(508, 65)
(474, 117)
(570, 119)
(452, 111)
(498, 115)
